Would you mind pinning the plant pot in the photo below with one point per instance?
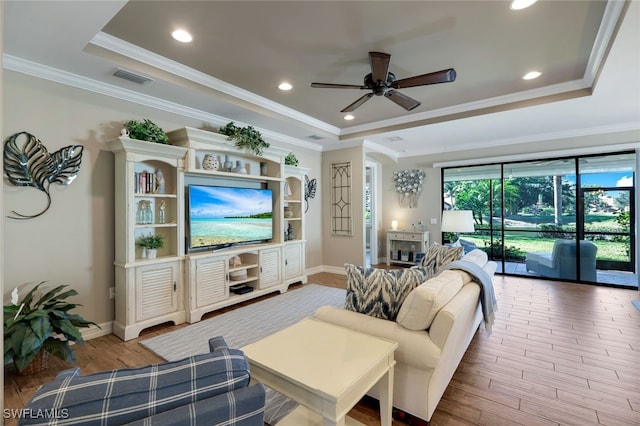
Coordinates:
(152, 253)
(39, 363)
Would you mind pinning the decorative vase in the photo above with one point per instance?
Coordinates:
(288, 213)
(263, 168)
(152, 253)
(160, 182)
(239, 168)
(210, 162)
(228, 164)
(39, 363)
(143, 254)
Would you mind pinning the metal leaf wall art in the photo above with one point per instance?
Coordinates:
(309, 190)
(28, 163)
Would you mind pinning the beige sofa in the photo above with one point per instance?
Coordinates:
(426, 358)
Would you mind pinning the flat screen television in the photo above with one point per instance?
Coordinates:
(223, 216)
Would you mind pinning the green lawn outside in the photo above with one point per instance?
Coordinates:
(607, 250)
(517, 243)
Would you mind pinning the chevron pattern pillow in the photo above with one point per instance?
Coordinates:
(378, 292)
(438, 256)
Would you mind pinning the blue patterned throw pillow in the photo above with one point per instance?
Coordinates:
(438, 256)
(378, 292)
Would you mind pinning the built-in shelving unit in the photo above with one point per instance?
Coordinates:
(179, 286)
(148, 201)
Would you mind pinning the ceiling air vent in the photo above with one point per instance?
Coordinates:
(394, 139)
(131, 76)
(315, 137)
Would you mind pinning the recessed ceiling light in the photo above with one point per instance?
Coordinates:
(521, 4)
(531, 75)
(349, 117)
(285, 86)
(182, 36)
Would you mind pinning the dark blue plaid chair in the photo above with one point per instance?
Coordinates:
(207, 389)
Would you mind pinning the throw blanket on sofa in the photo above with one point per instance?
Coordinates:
(487, 295)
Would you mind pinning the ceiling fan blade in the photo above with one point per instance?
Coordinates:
(337, 86)
(444, 76)
(379, 66)
(357, 103)
(403, 100)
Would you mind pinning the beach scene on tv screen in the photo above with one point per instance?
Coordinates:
(224, 215)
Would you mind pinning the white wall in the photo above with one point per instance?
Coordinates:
(341, 249)
(73, 242)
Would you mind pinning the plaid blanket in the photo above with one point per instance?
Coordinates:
(212, 387)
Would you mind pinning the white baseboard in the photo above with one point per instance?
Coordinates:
(92, 332)
(326, 268)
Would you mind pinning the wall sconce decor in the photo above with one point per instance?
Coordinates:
(408, 185)
(32, 165)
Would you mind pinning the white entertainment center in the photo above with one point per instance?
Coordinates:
(179, 284)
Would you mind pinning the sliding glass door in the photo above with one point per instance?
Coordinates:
(566, 218)
(607, 207)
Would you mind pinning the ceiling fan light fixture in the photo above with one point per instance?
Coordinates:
(349, 117)
(531, 75)
(182, 36)
(521, 4)
(285, 86)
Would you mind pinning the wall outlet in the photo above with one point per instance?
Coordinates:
(434, 221)
(112, 292)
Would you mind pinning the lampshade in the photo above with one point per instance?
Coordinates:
(457, 221)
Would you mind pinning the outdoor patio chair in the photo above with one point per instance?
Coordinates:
(561, 262)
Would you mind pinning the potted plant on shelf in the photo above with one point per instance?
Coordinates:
(246, 138)
(150, 245)
(146, 130)
(41, 325)
(291, 160)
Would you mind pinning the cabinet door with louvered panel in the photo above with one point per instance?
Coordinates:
(211, 276)
(156, 290)
(293, 261)
(270, 260)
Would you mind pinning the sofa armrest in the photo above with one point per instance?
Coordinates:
(241, 407)
(414, 347)
(129, 394)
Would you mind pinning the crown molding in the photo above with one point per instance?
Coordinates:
(624, 127)
(610, 22)
(536, 156)
(116, 45)
(608, 27)
(23, 66)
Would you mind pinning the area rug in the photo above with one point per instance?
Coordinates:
(246, 325)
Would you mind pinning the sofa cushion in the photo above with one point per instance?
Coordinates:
(378, 292)
(415, 348)
(423, 303)
(438, 256)
(477, 256)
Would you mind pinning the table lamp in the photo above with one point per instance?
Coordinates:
(457, 221)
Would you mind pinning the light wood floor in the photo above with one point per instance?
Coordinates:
(559, 354)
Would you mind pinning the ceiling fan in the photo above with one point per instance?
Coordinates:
(382, 82)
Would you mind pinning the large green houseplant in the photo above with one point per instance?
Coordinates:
(41, 323)
(246, 138)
